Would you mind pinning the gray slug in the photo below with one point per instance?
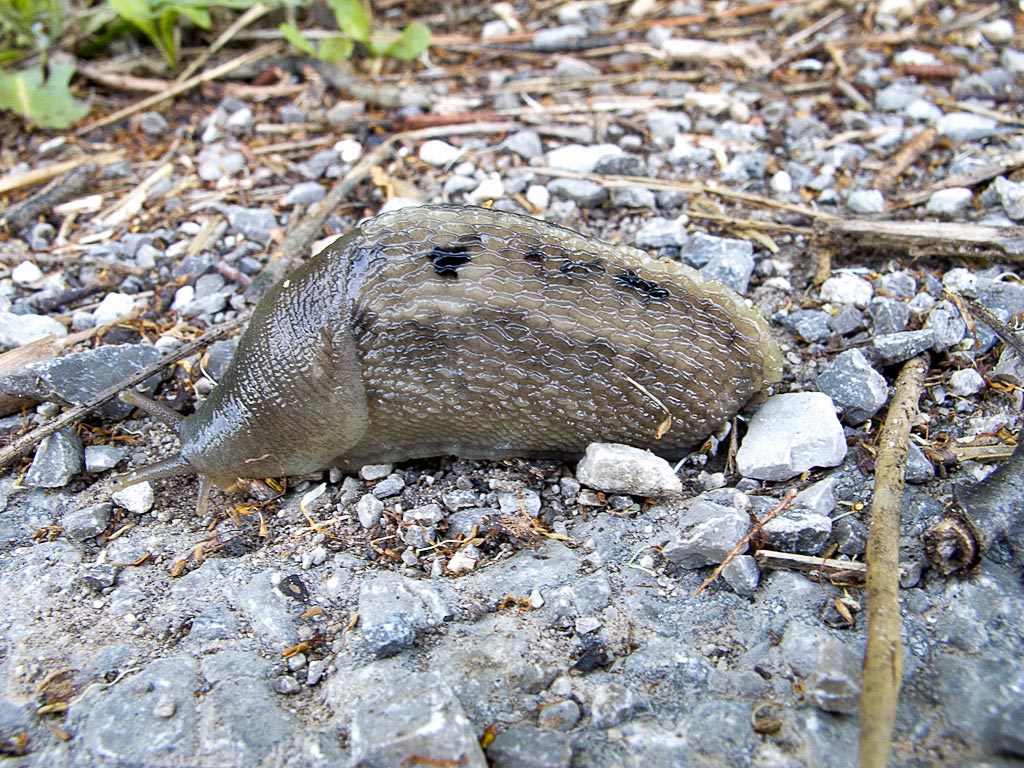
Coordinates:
(447, 330)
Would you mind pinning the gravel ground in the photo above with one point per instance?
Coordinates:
(529, 613)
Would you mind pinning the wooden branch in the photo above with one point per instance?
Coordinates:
(970, 178)
(13, 181)
(928, 237)
(845, 570)
(884, 656)
(73, 415)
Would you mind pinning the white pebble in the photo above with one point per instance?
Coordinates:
(26, 273)
(782, 183)
(113, 308)
(491, 188)
(952, 200)
(464, 560)
(137, 499)
(436, 152)
(998, 31)
(538, 196)
(350, 150)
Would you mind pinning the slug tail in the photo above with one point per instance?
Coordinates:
(173, 467)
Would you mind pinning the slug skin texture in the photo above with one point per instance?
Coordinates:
(441, 330)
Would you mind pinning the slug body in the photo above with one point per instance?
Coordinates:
(444, 330)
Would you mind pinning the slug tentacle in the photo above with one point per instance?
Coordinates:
(158, 411)
(173, 467)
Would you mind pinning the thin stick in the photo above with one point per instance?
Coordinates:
(186, 85)
(883, 662)
(73, 415)
(255, 12)
(14, 181)
(758, 526)
(848, 570)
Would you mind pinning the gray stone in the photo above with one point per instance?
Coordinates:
(128, 723)
(854, 386)
(254, 223)
(558, 38)
(892, 348)
(415, 719)
(58, 459)
(707, 533)
(456, 500)
(369, 510)
(459, 185)
(899, 285)
(811, 325)
(153, 124)
(966, 382)
(731, 264)
(88, 522)
(1009, 735)
(286, 685)
(525, 143)
(742, 574)
(847, 320)
(526, 746)
(851, 536)
(580, 158)
(562, 715)
(394, 610)
(660, 232)
(305, 193)
(966, 126)
(946, 326)
(789, 434)
(866, 201)
(950, 201)
(1009, 369)
(391, 485)
(919, 469)
(798, 530)
(633, 197)
(623, 165)
(665, 126)
(1011, 196)
(612, 704)
(100, 458)
(16, 330)
(888, 315)
(623, 469)
(847, 288)
(242, 723)
(587, 194)
(834, 685)
(701, 248)
(371, 472)
(896, 97)
(819, 498)
(524, 501)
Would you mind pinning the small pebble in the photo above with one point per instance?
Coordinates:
(966, 382)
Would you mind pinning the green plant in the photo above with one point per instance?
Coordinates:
(354, 22)
(39, 91)
(158, 19)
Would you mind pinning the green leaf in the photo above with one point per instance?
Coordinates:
(48, 104)
(335, 49)
(414, 40)
(165, 41)
(352, 19)
(139, 14)
(291, 33)
(198, 16)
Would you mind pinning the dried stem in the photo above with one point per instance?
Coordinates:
(883, 662)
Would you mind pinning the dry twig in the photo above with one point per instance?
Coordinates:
(758, 527)
(884, 656)
(74, 415)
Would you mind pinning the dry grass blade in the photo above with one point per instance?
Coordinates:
(883, 663)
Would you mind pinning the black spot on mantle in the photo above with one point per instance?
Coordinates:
(447, 259)
(650, 290)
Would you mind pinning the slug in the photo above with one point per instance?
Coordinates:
(442, 330)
